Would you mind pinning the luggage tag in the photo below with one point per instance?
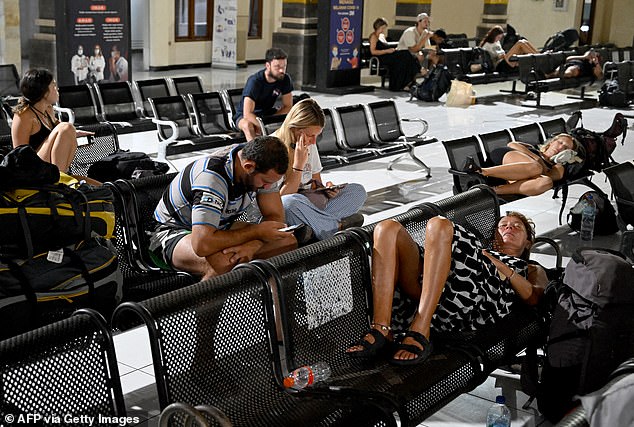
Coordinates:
(55, 256)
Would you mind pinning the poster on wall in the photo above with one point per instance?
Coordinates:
(92, 41)
(345, 34)
(225, 34)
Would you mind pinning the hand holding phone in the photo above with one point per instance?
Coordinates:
(332, 187)
(291, 227)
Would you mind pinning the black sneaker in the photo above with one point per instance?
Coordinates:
(470, 166)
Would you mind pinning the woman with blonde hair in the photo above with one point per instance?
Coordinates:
(325, 208)
(528, 170)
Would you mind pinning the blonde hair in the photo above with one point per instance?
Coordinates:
(304, 114)
(575, 144)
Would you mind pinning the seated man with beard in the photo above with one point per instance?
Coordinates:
(261, 92)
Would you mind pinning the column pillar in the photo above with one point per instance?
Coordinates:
(42, 51)
(406, 13)
(10, 52)
(493, 13)
(298, 37)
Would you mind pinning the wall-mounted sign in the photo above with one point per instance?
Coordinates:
(92, 41)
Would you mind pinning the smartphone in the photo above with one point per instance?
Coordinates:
(291, 227)
(334, 187)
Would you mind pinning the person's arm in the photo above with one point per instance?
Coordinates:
(421, 43)
(270, 205)
(248, 108)
(287, 103)
(529, 289)
(293, 177)
(21, 128)
(207, 240)
(376, 52)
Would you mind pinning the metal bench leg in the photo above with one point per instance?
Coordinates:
(416, 160)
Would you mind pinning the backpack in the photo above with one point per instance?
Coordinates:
(51, 285)
(605, 218)
(47, 217)
(595, 150)
(125, 165)
(592, 329)
(481, 61)
(611, 95)
(434, 86)
(561, 40)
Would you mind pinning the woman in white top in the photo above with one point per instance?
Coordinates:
(338, 206)
(97, 64)
(492, 43)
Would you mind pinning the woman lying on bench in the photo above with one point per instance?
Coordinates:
(577, 66)
(528, 170)
(458, 284)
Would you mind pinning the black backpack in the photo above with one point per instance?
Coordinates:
(604, 220)
(125, 165)
(480, 59)
(434, 86)
(591, 332)
(611, 95)
(561, 40)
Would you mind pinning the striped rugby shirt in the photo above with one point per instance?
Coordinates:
(204, 193)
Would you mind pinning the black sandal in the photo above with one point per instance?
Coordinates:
(373, 349)
(421, 354)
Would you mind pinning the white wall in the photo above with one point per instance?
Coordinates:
(457, 16)
(536, 20)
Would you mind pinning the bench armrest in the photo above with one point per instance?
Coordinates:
(424, 127)
(62, 110)
(162, 145)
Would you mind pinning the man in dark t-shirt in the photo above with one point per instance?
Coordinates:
(261, 92)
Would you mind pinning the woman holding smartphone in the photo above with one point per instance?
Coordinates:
(325, 208)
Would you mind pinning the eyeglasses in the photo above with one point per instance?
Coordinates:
(513, 225)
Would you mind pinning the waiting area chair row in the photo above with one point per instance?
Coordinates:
(479, 148)
(123, 103)
(229, 341)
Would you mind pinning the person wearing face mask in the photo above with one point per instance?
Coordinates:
(97, 65)
(79, 65)
(330, 208)
(117, 65)
(454, 283)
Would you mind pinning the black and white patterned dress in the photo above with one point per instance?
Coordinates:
(474, 294)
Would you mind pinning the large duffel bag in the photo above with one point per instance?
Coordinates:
(51, 285)
(41, 218)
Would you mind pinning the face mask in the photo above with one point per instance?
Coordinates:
(80, 52)
(97, 51)
(112, 54)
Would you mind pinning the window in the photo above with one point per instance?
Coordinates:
(255, 19)
(193, 19)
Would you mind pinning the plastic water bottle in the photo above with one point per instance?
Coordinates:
(499, 415)
(587, 218)
(307, 375)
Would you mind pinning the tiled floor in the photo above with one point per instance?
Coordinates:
(493, 111)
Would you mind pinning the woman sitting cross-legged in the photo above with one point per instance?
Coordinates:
(330, 209)
(458, 285)
(528, 170)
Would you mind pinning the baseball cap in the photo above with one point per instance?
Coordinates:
(421, 16)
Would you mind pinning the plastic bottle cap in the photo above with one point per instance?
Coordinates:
(500, 399)
(289, 382)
